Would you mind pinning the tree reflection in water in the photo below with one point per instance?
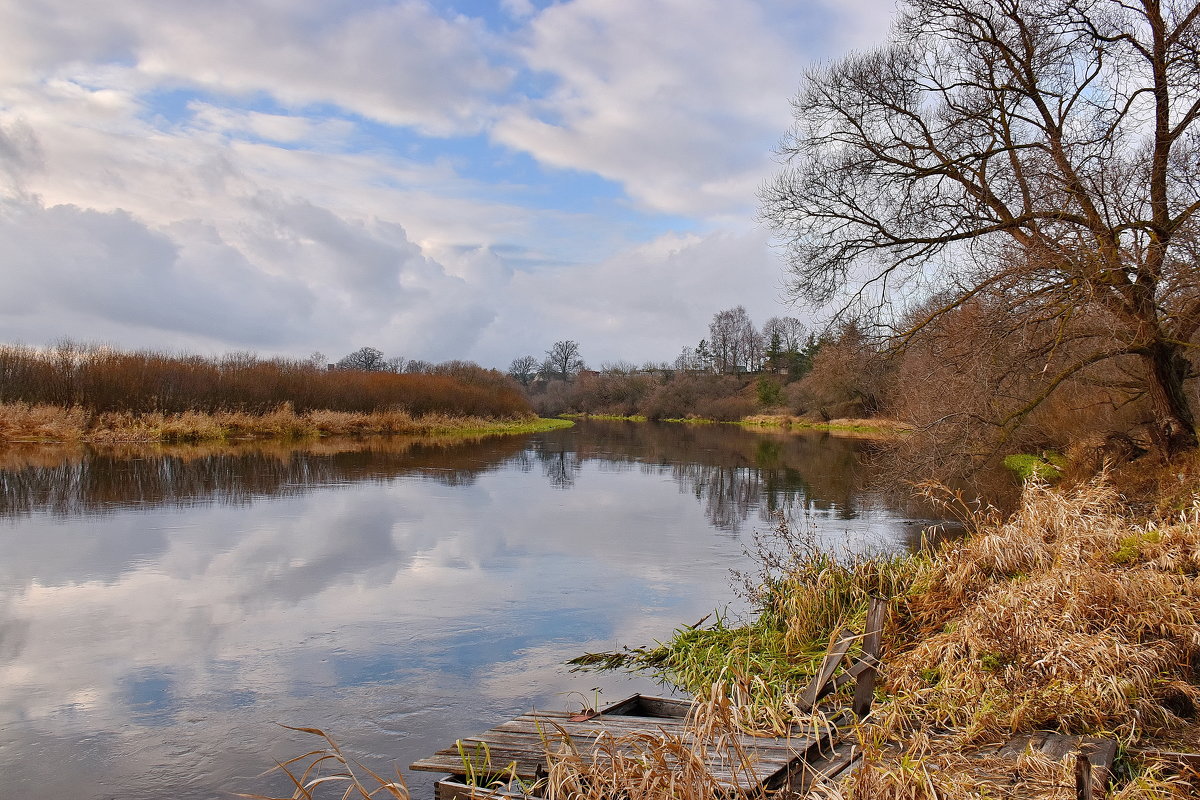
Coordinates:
(734, 473)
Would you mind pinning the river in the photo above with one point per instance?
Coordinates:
(161, 608)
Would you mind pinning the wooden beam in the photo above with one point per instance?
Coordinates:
(839, 645)
(864, 690)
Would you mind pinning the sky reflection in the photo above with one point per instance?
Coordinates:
(159, 609)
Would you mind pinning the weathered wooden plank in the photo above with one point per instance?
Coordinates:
(526, 756)
(1058, 745)
(642, 705)
(864, 692)
(819, 687)
(1100, 754)
(590, 729)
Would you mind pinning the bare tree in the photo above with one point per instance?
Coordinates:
(367, 359)
(734, 342)
(523, 369)
(562, 360)
(1042, 152)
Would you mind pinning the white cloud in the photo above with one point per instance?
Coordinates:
(400, 63)
(641, 304)
(678, 100)
(212, 224)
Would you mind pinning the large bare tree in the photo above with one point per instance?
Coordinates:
(563, 360)
(1044, 153)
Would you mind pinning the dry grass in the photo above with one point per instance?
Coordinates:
(1067, 616)
(39, 422)
(705, 762)
(42, 423)
(327, 772)
(931, 768)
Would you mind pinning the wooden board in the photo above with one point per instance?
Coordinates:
(520, 746)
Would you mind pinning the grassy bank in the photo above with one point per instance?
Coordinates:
(1075, 614)
(874, 427)
(26, 422)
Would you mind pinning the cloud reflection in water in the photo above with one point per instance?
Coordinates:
(159, 608)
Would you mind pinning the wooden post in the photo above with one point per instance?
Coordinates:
(839, 645)
(1083, 777)
(864, 690)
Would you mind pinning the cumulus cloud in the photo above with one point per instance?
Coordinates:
(400, 63)
(313, 175)
(678, 100)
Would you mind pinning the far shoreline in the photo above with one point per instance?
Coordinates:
(25, 423)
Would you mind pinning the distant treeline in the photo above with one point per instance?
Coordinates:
(102, 380)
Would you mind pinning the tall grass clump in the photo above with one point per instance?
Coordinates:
(803, 595)
(1068, 615)
(708, 760)
(327, 772)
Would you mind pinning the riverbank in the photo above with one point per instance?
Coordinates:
(26, 422)
(875, 427)
(1076, 614)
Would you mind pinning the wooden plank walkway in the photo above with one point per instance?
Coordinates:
(748, 765)
(519, 746)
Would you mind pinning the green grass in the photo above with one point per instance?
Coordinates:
(803, 595)
(1044, 466)
(499, 427)
(612, 417)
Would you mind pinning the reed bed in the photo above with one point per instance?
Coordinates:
(25, 422)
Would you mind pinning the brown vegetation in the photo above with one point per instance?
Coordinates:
(22, 422)
(102, 380)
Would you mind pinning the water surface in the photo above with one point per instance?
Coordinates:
(161, 608)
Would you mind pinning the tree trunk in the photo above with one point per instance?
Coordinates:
(1174, 427)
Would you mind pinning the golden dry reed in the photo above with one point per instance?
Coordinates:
(327, 772)
(24, 422)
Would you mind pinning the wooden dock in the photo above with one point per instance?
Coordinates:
(520, 748)
(518, 752)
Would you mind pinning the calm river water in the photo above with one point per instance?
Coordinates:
(161, 608)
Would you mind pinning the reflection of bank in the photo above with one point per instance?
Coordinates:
(90, 480)
(733, 472)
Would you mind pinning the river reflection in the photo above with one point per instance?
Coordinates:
(160, 607)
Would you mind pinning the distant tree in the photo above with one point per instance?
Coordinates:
(704, 356)
(367, 359)
(563, 361)
(317, 360)
(618, 367)
(523, 369)
(786, 338)
(395, 364)
(734, 341)
(416, 366)
(686, 360)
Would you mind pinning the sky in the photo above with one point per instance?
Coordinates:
(438, 179)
